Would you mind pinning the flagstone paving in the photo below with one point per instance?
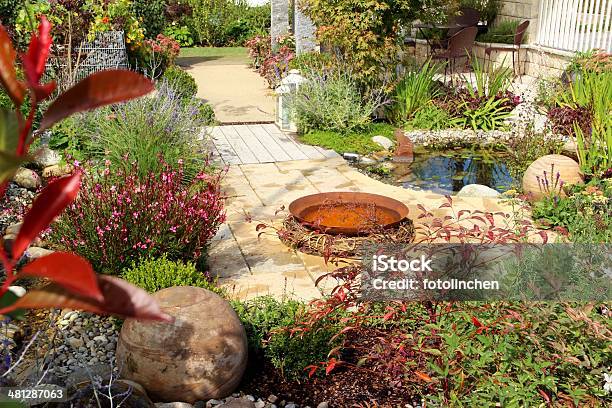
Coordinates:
(250, 263)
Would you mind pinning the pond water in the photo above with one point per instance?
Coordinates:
(447, 172)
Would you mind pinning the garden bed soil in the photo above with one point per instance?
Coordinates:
(345, 386)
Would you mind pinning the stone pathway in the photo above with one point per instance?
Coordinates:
(261, 143)
(250, 264)
(236, 92)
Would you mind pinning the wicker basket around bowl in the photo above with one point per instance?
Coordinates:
(311, 241)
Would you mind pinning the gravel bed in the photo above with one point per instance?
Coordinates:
(13, 205)
(83, 340)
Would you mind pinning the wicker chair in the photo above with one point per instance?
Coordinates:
(515, 50)
(459, 45)
(467, 17)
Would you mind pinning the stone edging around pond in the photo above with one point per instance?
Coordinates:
(448, 137)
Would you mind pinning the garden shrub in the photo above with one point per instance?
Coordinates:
(155, 55)
(312, 61)
(488, 8)
(586, 213)
(221, 23)
(365, 32)
(120, 217)
(152, 15)
(501, 33)
(266, 321)
(179, 33)
(182, 82)
(153, 274)
(331, 101)
(273, 66)
(143, 129)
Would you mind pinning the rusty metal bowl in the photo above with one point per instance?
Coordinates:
(348, 213)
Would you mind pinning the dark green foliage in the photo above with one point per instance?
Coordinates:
(266, 321)
(501, 33)
(225, 22)
(160, 273)
(8, 12)
(429, 117)
(152, 13)
(182, 83)
(488, 8)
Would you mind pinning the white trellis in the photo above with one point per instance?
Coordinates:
(575, 25)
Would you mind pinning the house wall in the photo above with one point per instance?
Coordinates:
(521, 10)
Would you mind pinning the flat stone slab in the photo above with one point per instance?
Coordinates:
(251, 261)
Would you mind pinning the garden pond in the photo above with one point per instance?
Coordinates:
(448, 171)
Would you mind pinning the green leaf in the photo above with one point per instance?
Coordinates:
(7, 299)
(9, 163)
(9, 131)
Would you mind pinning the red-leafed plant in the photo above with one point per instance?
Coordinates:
(74, 284)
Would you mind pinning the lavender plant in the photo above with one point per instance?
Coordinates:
(163, 125)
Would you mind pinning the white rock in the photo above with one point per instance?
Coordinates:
(260, 404)
(323, 404)
(101, 339)
(17, 290)
(36, 252)
(173, 405)
(13, 229)
(46, 157)
(383, 142)
(27, 178)
(477, 190)
(367, 160)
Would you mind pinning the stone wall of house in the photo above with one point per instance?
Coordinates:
(521, 10)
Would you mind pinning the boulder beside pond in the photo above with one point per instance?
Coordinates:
(477, 190)
(202, 355)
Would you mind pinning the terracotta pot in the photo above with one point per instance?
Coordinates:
(548, 174)
(202, 355)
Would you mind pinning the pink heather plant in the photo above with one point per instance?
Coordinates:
(119, 217)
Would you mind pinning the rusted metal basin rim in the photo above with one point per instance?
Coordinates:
(348, 213)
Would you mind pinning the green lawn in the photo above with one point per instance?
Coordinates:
(219, 55)
(355, 142)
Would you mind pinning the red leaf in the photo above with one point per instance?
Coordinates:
(260, 227)
(331, 364)
(99, 89)
(544, 236)
(311, 370)
(545, 396)
(120, 298)
(423, 376)
(476, 322)
(68, 270)
(43, 91)
(8, 76)
(48, 205)
(35, 59)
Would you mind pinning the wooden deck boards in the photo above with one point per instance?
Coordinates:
(261, 143)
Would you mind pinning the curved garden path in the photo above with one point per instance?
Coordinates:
(236, 92)
(249, 264)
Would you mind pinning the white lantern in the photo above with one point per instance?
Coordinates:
(284, 92)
